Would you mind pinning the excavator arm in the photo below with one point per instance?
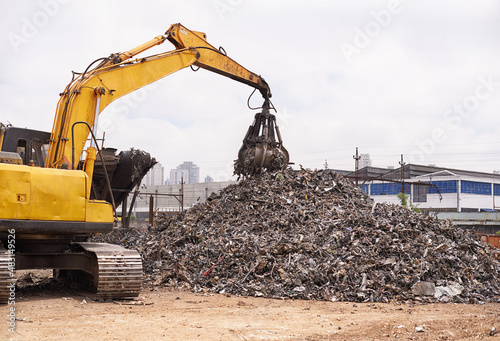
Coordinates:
(86, 96)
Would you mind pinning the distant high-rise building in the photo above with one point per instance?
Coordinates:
(365, 161)
(208, 178)
(155, 176)
(187, 171)
(178, 175)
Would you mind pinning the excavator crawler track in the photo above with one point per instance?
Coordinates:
(117, 272)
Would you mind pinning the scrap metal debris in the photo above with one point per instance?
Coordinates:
(313, 235)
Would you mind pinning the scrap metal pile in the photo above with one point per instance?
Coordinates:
(313, 235)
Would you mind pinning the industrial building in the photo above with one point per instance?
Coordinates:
(432, 188)
(468, 198)
(174, 197)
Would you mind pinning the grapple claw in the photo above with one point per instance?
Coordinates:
(260, 150)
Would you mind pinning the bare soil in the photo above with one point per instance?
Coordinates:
(53, 312)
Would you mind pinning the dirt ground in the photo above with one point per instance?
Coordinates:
(46, 311)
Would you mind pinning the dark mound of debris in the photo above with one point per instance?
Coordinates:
(40, 282)
(313, 235)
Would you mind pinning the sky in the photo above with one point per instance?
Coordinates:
(414, 78)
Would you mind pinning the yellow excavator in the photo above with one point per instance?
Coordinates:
(59, 188)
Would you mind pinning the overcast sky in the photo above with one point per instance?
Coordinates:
(418, 78)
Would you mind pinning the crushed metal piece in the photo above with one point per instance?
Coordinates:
(423, 289)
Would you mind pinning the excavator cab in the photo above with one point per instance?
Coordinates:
(260, 150)
(30, 145)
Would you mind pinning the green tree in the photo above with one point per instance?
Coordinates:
(403, 199)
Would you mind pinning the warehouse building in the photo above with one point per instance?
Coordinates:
(433, 188)
(466, 197)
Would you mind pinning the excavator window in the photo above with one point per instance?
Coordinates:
(33, 153)
(38, 153)
(21, 149)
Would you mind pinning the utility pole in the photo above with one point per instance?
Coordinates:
(402, 174)
(356, 165)
(151, 210)
(182, 194)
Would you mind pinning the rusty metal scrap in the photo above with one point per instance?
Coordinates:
(313, 235)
